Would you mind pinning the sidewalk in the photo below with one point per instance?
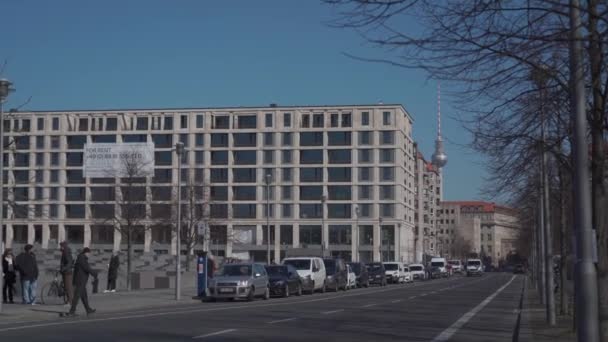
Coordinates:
(103, 303)
(533, 326)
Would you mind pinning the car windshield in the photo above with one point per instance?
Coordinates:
(235, 270)
(330, 266)
(438, 264)
(454, 262)
(391, 267)
(299, 264)
(474, 263)
(276, 270)
(355, 268)
(415, 268)
(374, 267)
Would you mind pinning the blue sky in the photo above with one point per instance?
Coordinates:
(69, 54)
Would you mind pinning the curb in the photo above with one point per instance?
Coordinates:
(515, 337)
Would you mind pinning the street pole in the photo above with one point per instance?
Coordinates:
(267, 181)
(381, 240)
(323, 199)
(541, 239)
(179, 150)
(587, 312)
(5, 89)
(356, 235)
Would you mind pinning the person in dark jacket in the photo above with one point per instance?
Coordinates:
(27, 266)
(82, 271)
(113, 272)
(10, 276)
(66, 267)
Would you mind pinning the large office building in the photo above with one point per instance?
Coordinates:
(429, 194)
(340, 179)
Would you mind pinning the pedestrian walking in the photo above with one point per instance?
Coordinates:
(10, 276)
(66, 267)
(27, 266)
(82, 271)
(113, 272)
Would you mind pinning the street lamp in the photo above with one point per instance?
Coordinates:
(179, 150)
(267, 180)
(5, 89)
(356, 235)
(323, 199)
(381, 239)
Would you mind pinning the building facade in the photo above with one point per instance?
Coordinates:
(477, 227)
(429, 194)
(341, 178)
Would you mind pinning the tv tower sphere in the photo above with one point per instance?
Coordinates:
(440, 159)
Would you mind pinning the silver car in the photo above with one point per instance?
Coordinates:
(246, 280)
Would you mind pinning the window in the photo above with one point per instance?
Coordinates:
(163, 158)
(339, 235)
(74, 158)
(286, 192)
(310, 234)
(247, 121)
(311, 174)
(219, 176)
(219, 140)
(142, 124)
(387, 155)
(268, 120)
(221, 122)
(199, 157)
(104, 138)
(286, 119)
(55, 142)
(22, 142)
(346, 120)
(268, 139)
(244, 157)
(364, 118)
(111, 124)
(75, 211)
(339, 138)
(55, 124)
(287, 174)
(163, 176)
(387, 192)
(219, 157)
(386, 118)
(244, 175)
(310, 211)
(286, 230)
(199, 139)
(101, 193)
(311, 139)
(54, 178)
(365, 192)
(200, 121)
(387, 173)
(339, 174)
(311, 156)
(135, 138)
(387, 137)
(339, 192)
(334, 120)
(286, 157)
(22, 159)
(244, 193)
(183, 138)
(21, 194)
(339, 156)
(339, 210)
(162, 140)
(317, 120)
(366, 156)
(287, 139)
(53, 210)
(365, 174)
(40, 124)
(311, 193)
(183, 121)
(218, 193)
(265, 209)
(83, 124)
(168, 123)
(244, 139)
(365, 210)
(387, 210)
(39, 176)
(133, 193)
(76, 141)
(74, 194)
(244, 210)
(21, 177)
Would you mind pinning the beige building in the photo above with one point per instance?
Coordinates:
(429, 194)
(476, 227)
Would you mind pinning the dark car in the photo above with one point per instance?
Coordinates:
(360, 270)
(434, 272)
(284, 280)
(376, 273)
(519, 268)
(337, 275)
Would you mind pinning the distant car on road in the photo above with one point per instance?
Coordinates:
(434, 272)
(418, 272)
(352, 277)
(456, 266)
(377, 273)
(519, 268)
(311, 270)
(407, 275)
(394, 272)
(284, 280)
(474, 267)
(337, 275)
(361, 272)
(243, 280)
(442, 265)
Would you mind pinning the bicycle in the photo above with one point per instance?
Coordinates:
(53, 293)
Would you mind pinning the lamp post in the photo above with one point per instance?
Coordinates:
(5, 89)
(267, 180)
(323, 199)
(381, 239)
(356, 235)
(179, 150)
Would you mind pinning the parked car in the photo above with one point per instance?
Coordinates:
(457, 266)
(519, 268)
(243, 280)
(352, 277)
(284, 280)
(442, 265)
(418, 272)
(377, 273)
(361, 272)
(311, 270)
(407, 275)
(434, 272)
(337, 275)
(474, 267)
(394, 272)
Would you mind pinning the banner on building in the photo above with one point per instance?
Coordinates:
(103, 160)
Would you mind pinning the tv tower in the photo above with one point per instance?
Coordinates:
(439, 157)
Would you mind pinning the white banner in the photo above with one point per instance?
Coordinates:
(122, 160)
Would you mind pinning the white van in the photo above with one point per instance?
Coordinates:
(311, 270)
(394, 272)
(442, 265)
(474, 267)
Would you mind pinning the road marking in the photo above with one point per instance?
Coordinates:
(215, 333)
(114, 316)
(396, 301)
(282, 320)
(412, 297)
(331, 312)
(449, 332)
(369, 305)
(433, 292)
(424, 294)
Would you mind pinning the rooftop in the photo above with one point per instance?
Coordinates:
(479, 206)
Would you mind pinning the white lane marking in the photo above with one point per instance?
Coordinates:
(396, 301)
(215, 333)
(449, 332)
(433, 292)
(282, 320)
(369, 305)
(424, 294)
(331, 312)
(412, 297)
(224, 308)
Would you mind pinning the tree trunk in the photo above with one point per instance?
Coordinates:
(562, 242)
(188, 257)
(129, 254)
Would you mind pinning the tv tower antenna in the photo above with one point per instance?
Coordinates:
(439, 157)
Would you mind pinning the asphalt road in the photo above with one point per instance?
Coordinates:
(454, 309)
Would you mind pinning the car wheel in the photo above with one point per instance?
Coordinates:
(299, 292)
(286, 291)
(251, 294)
(267, 293)
(324, 288)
